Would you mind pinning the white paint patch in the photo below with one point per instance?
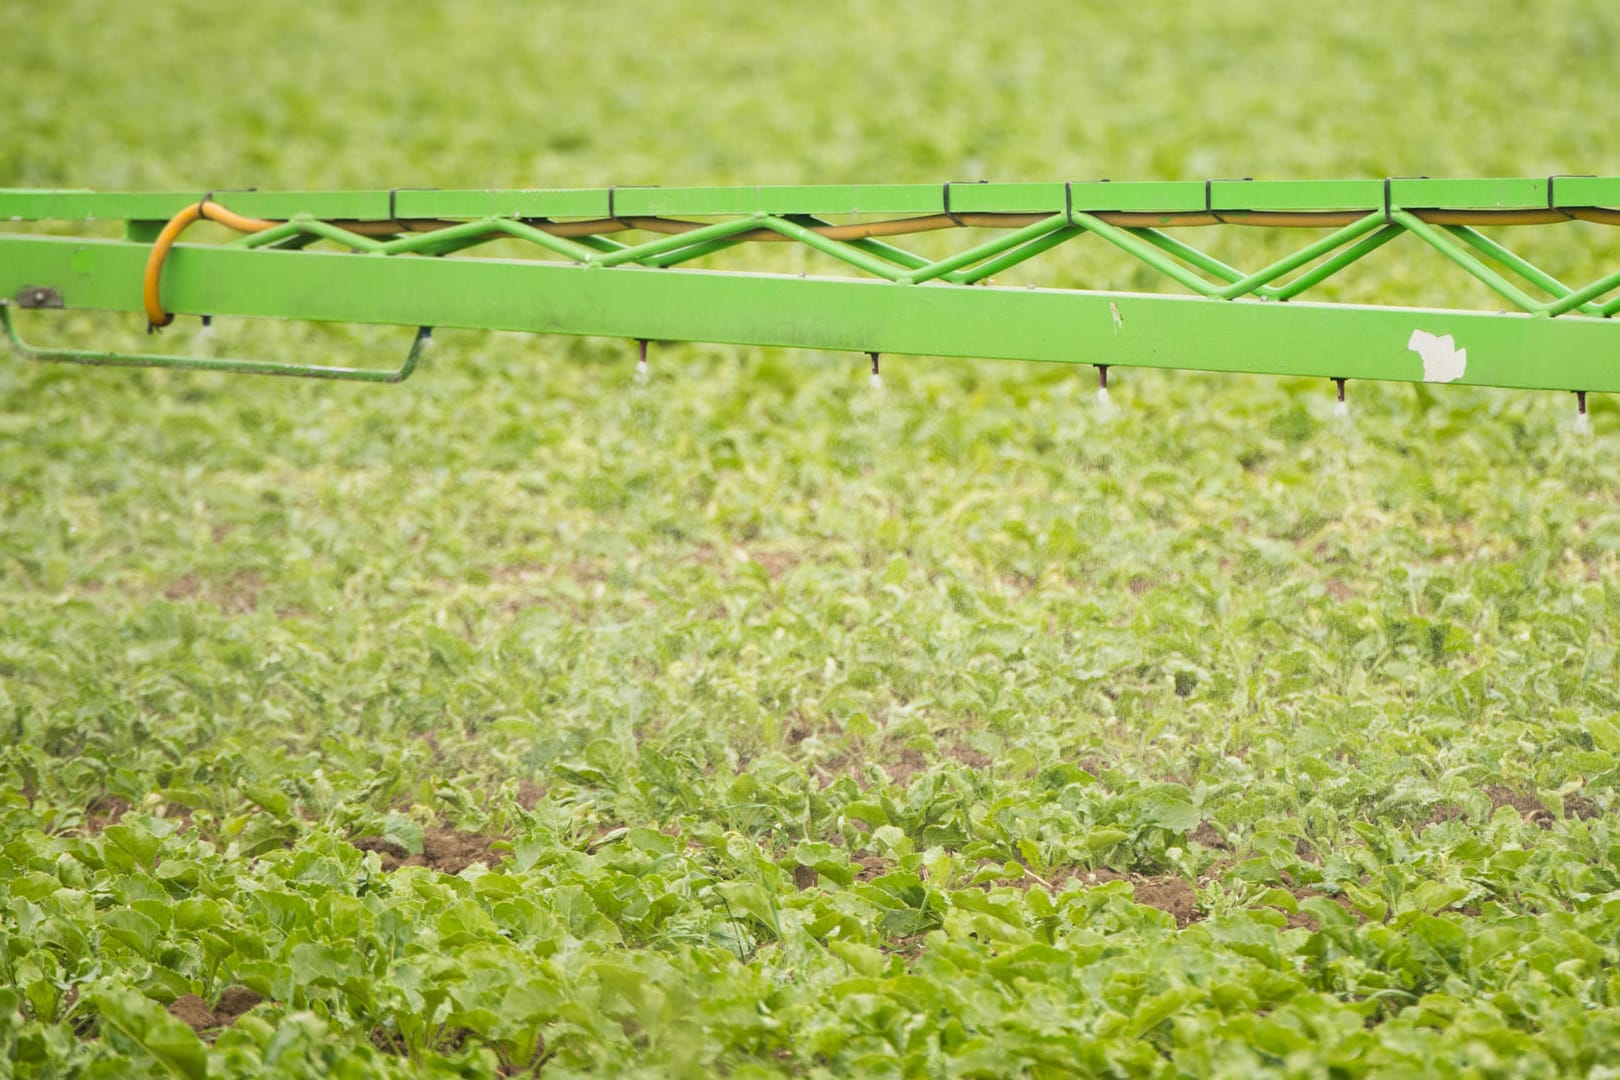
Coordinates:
(1119, 323)
(1442, 360)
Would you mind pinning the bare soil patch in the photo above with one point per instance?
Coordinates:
(194, 1012)
(1579, 806)
(1170, 894)
(906, 765)
(234, 1002)
(184, 588)
(870, 866)
(909, 947)
(1207, 835)
(903, 766)
(105, 810)
(776, 563)
(236, 595)
(239, 593)
(1528, 806)
(1442, 813)
(973, 759)
(444, 850)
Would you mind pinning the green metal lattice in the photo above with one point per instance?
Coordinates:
(586, 280)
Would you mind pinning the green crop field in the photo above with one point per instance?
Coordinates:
(524, 720)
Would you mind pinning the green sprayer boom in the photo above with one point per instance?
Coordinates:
(291, 255)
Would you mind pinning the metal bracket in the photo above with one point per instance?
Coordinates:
(38, 296)
(424, 336)
(393, 206)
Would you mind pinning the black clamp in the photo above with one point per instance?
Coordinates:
(1209, 199)
(613, 213)
(393, 211)
(1552, 205)
(945, 196)
(202, 203)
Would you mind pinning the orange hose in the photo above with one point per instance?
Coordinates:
(155, 315)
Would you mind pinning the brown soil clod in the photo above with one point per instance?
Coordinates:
(967, 755)
(529, 794)
(1528, 806)
(451, 852)
(1169, 893)
(392, 854)
(906, 765)
(1579, 806)
(236, 595)
(1208, 836)
(1173, 895)
(193, 1012)
(909, 947)
(1442, 813)
(1298, 920)
(805, 877)
(776, 563)
(105, 810)
(444, 850)
(239, 595)
(870, 866)
(234, 1002)
(183, 588)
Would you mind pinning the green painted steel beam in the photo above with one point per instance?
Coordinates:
(1234, 197)
(1571, 352)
